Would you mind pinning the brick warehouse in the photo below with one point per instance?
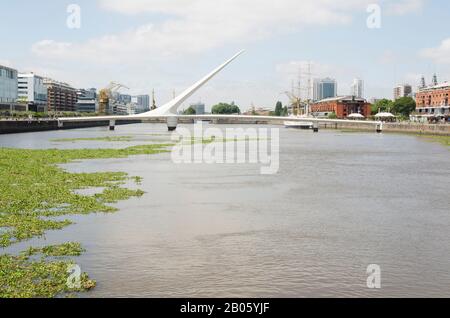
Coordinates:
(342, 107)
(434, 96)
(432, 103)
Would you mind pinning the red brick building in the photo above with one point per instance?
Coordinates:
(342, 107)
(432, 103)
(434, 96)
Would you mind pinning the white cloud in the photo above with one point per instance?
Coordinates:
(440, 54)
(198, 25)
(192, 27)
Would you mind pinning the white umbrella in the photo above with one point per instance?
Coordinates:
(384, 115)
(355, 115)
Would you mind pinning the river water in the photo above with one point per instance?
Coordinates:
(340, 202)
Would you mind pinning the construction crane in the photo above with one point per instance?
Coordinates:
(106, 96)
(295, 102)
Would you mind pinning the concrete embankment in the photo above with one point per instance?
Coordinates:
(412, 128)
(22, 126)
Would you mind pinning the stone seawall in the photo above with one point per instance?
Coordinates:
(22, 126)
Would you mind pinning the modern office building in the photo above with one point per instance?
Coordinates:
(342, 107)
(87, 101)
(123, 98)
(199, 108)
(324, 88)
(61, 97)
(8, 85)
(32, 92)
(141, 103)
(357, 88)
(404, 90)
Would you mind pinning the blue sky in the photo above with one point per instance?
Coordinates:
(169, 44)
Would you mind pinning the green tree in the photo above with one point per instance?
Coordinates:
(285, 111)
(383, 105)
(227, 109)
(278, 109)
(332, 116)
(190, 111)
(404, 106)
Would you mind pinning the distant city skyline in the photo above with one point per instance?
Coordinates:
(149, 44)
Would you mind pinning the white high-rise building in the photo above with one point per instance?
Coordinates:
(404, 90)
(32, 92)
(357, 88)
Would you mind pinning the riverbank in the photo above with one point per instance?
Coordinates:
(14, 126)
(21, 126)
(406, 128)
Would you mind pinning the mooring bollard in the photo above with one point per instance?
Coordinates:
(315, 127)
(172, 122)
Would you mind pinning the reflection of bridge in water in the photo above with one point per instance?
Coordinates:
(168, 112)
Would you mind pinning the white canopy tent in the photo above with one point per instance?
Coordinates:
(355, 116)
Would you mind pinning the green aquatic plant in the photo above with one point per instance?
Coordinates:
(66, 249)
(21, 277)
(444, 140)
(34, 188)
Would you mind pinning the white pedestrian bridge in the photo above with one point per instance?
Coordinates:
(169, 111)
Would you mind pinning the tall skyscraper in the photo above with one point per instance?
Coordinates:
(404, 90)
(324, 88)
(357, 88)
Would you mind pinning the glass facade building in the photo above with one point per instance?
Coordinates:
(8, 85)
(324, 88)
(199, 108)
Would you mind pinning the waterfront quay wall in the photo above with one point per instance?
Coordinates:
(22, 126)
(413, 128)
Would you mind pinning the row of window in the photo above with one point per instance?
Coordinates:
(8, 73)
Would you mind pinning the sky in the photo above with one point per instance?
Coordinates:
(167, 45)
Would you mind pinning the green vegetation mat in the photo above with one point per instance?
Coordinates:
(34, 190)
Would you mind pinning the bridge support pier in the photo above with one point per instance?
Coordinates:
(380, 128)
(112, 125)
(316, 127)
(172, 122)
